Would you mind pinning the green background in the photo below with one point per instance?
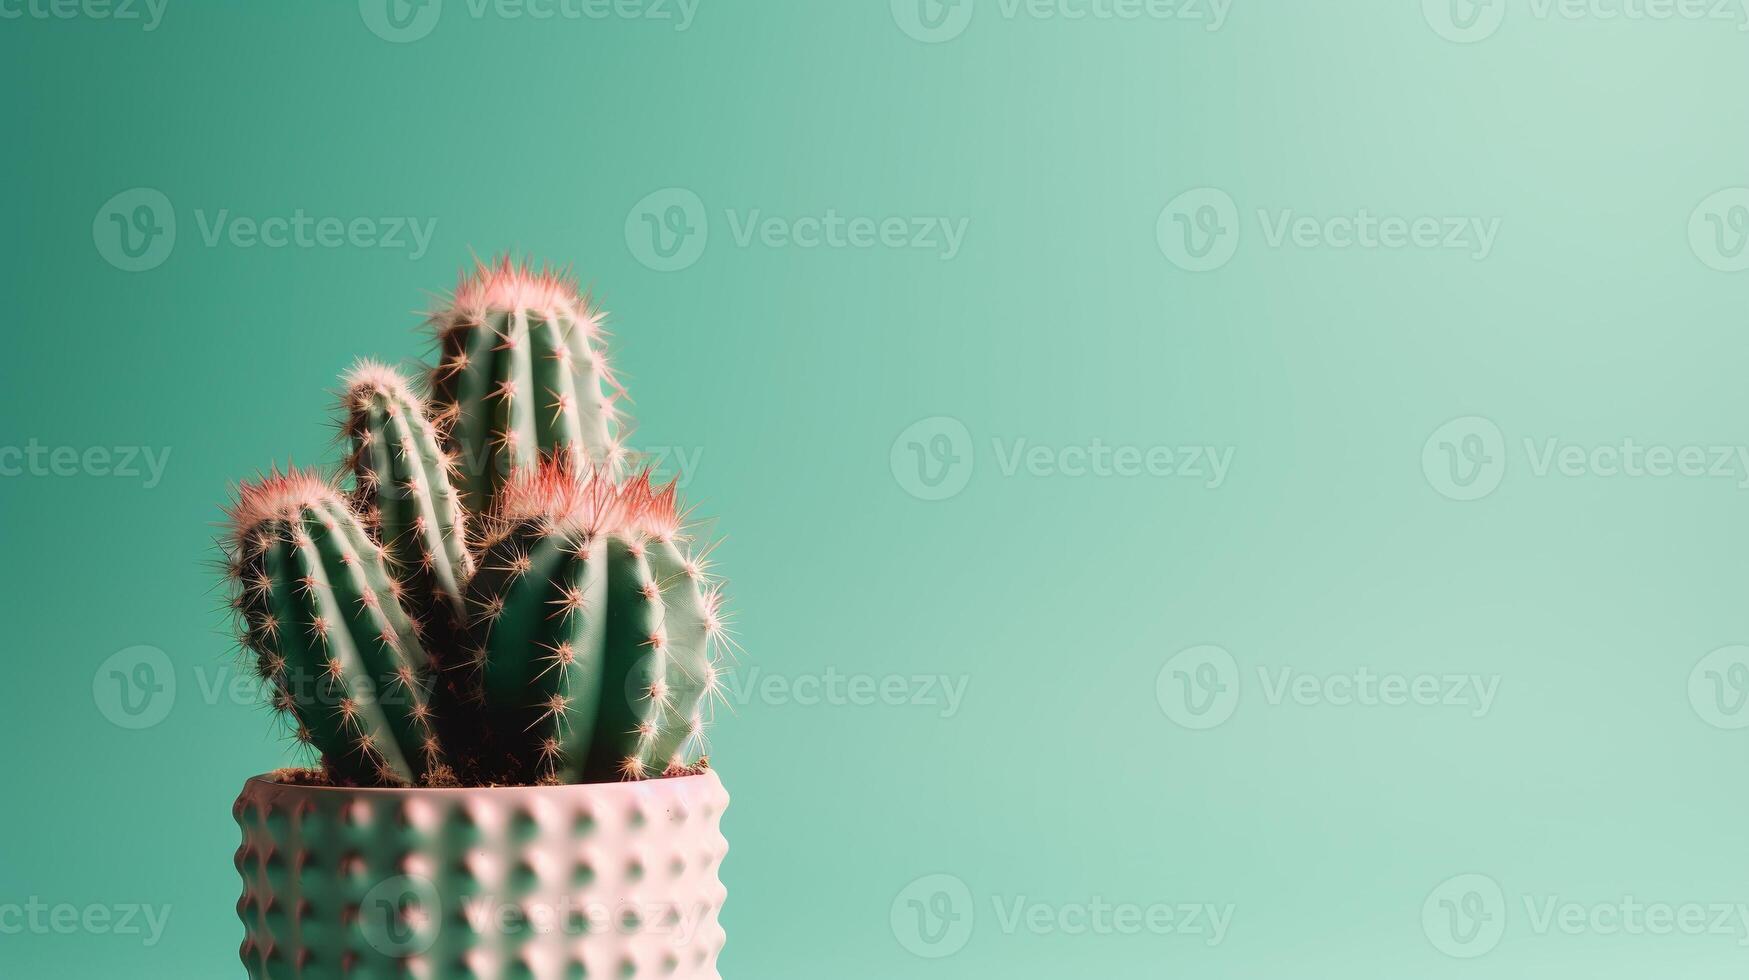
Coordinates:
(1056, 599)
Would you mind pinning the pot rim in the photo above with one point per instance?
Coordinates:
(632, 785)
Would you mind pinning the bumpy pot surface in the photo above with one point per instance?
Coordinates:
(540, 882)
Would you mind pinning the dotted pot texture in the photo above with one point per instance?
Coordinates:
(596, 880)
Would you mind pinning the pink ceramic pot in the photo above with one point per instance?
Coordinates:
(540, 882)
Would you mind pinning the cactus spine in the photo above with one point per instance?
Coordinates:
(323, 618)
(593, 631)
(522, 376)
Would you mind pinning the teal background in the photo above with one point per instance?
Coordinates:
(1056, 599)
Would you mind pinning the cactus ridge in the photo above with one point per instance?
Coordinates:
(494, 600)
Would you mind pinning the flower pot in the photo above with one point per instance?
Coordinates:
(539, 882)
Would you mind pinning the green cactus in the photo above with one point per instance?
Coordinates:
(522, 375)
(323, 618)
(403, 491)
(494, 602)
(593, 631)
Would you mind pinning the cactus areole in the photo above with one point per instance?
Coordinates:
(488, 598)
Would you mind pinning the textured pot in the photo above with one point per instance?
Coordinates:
(539, 882)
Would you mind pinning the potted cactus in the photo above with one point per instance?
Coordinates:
(501, 644)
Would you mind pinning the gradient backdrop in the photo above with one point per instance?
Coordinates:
(1226, 489)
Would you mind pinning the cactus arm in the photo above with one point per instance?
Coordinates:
(361, 710)
(328, 630)
(295, 660)
(402, 476)
(521, 376)
(393, 668)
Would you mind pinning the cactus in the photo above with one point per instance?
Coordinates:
(522, 375)
(402, 488)
(593, 631)
(494, 601)
(323, 618)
